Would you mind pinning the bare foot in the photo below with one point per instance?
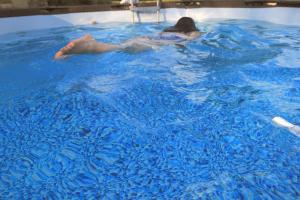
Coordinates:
(77, 46)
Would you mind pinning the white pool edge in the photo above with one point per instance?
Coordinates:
(277, 15)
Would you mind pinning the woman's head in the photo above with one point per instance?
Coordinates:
(183, 25)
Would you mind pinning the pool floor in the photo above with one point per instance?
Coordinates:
(190, 121)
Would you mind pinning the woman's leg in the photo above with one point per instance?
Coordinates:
(143, 43)
(86, 44)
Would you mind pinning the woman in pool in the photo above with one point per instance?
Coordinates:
(184, 30)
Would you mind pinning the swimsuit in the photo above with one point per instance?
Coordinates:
(168, 37)
(153, 41)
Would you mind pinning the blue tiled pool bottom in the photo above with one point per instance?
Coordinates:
(177, 122)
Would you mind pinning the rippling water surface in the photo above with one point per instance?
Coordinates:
(176, 122)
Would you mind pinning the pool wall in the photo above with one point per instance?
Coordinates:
(278, 15)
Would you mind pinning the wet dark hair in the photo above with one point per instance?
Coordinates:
(183, 25)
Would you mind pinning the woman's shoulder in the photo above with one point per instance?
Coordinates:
(188, 36)
(173, 34)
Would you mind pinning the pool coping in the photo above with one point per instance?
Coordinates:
(50, 10)
(277, 15)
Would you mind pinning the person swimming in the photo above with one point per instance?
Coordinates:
(184, 30)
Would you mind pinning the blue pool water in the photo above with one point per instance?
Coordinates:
(176, 122)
